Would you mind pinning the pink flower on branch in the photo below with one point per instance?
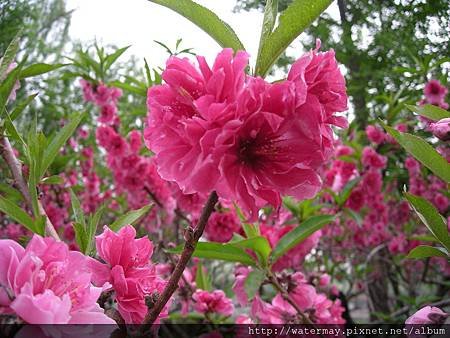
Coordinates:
(128, 269)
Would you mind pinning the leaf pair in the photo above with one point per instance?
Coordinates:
(274, 41)
(435, 224)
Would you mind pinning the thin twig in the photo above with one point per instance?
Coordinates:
(192, 236)
(16, 171)
(159, 204)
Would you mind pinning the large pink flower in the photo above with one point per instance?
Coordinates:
(251, 141)
(48, 284)
(129, 271)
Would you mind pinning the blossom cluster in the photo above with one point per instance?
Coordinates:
(252, 141)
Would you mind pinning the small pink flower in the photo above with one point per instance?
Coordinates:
(441, 129)
(212, 302)
(427, 315)
(356, 199)
(107, 113)
(221, 226)
(241, 275)
(135, 140)
(375, 134)
(371, 159)
(128, 270)
(435, 93)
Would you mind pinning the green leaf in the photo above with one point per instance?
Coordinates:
(58, 141)
(92, 226)
(209, 22)
(423, 152)
(293, 21)
(7, 86)
(299, 234)
(17, 214)
(10, 54)
(431, 218)
(55, 179)
(260, 245)
(39, 69)
(111, 58)
(253, 282)
(80, 236)
(346, 191)
(10, 192)
(130, 88)
(202, 280)
(429, 111)
(21, 106)
(219, 251)
(76, 208)
(130, 217)
(425, 251)
(270, 17)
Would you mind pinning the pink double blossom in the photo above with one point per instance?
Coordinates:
(129, 270)
(46, 283)
(212, 302)
(254, 141)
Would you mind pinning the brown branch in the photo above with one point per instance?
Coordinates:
(16, 171)
(192, 236)
(159, 204)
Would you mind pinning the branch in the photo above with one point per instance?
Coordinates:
(14, 165)
(192, 236)
(159, 204)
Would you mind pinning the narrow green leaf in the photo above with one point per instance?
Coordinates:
(10, 192)
(7, 86)
(17, 214)
(10, 54)
(346, 191)
(55, 179)
(270, 17)
(111, 58)
(260, 245)
(39, 69)
(219, 251)
(431, 218)
(299, 234)
(209, 22)
(80, 236)
(202, 280)
(423, 152)
(293, 21)
(130, 88)
(253, 282)
(92, 229)
(429, 111)
(129, 218)
(76, 208)
(425, 251)
(21, 106)
(58, 141)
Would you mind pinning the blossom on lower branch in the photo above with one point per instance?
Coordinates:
(129, 270)
(46, 283)
(251, 141)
